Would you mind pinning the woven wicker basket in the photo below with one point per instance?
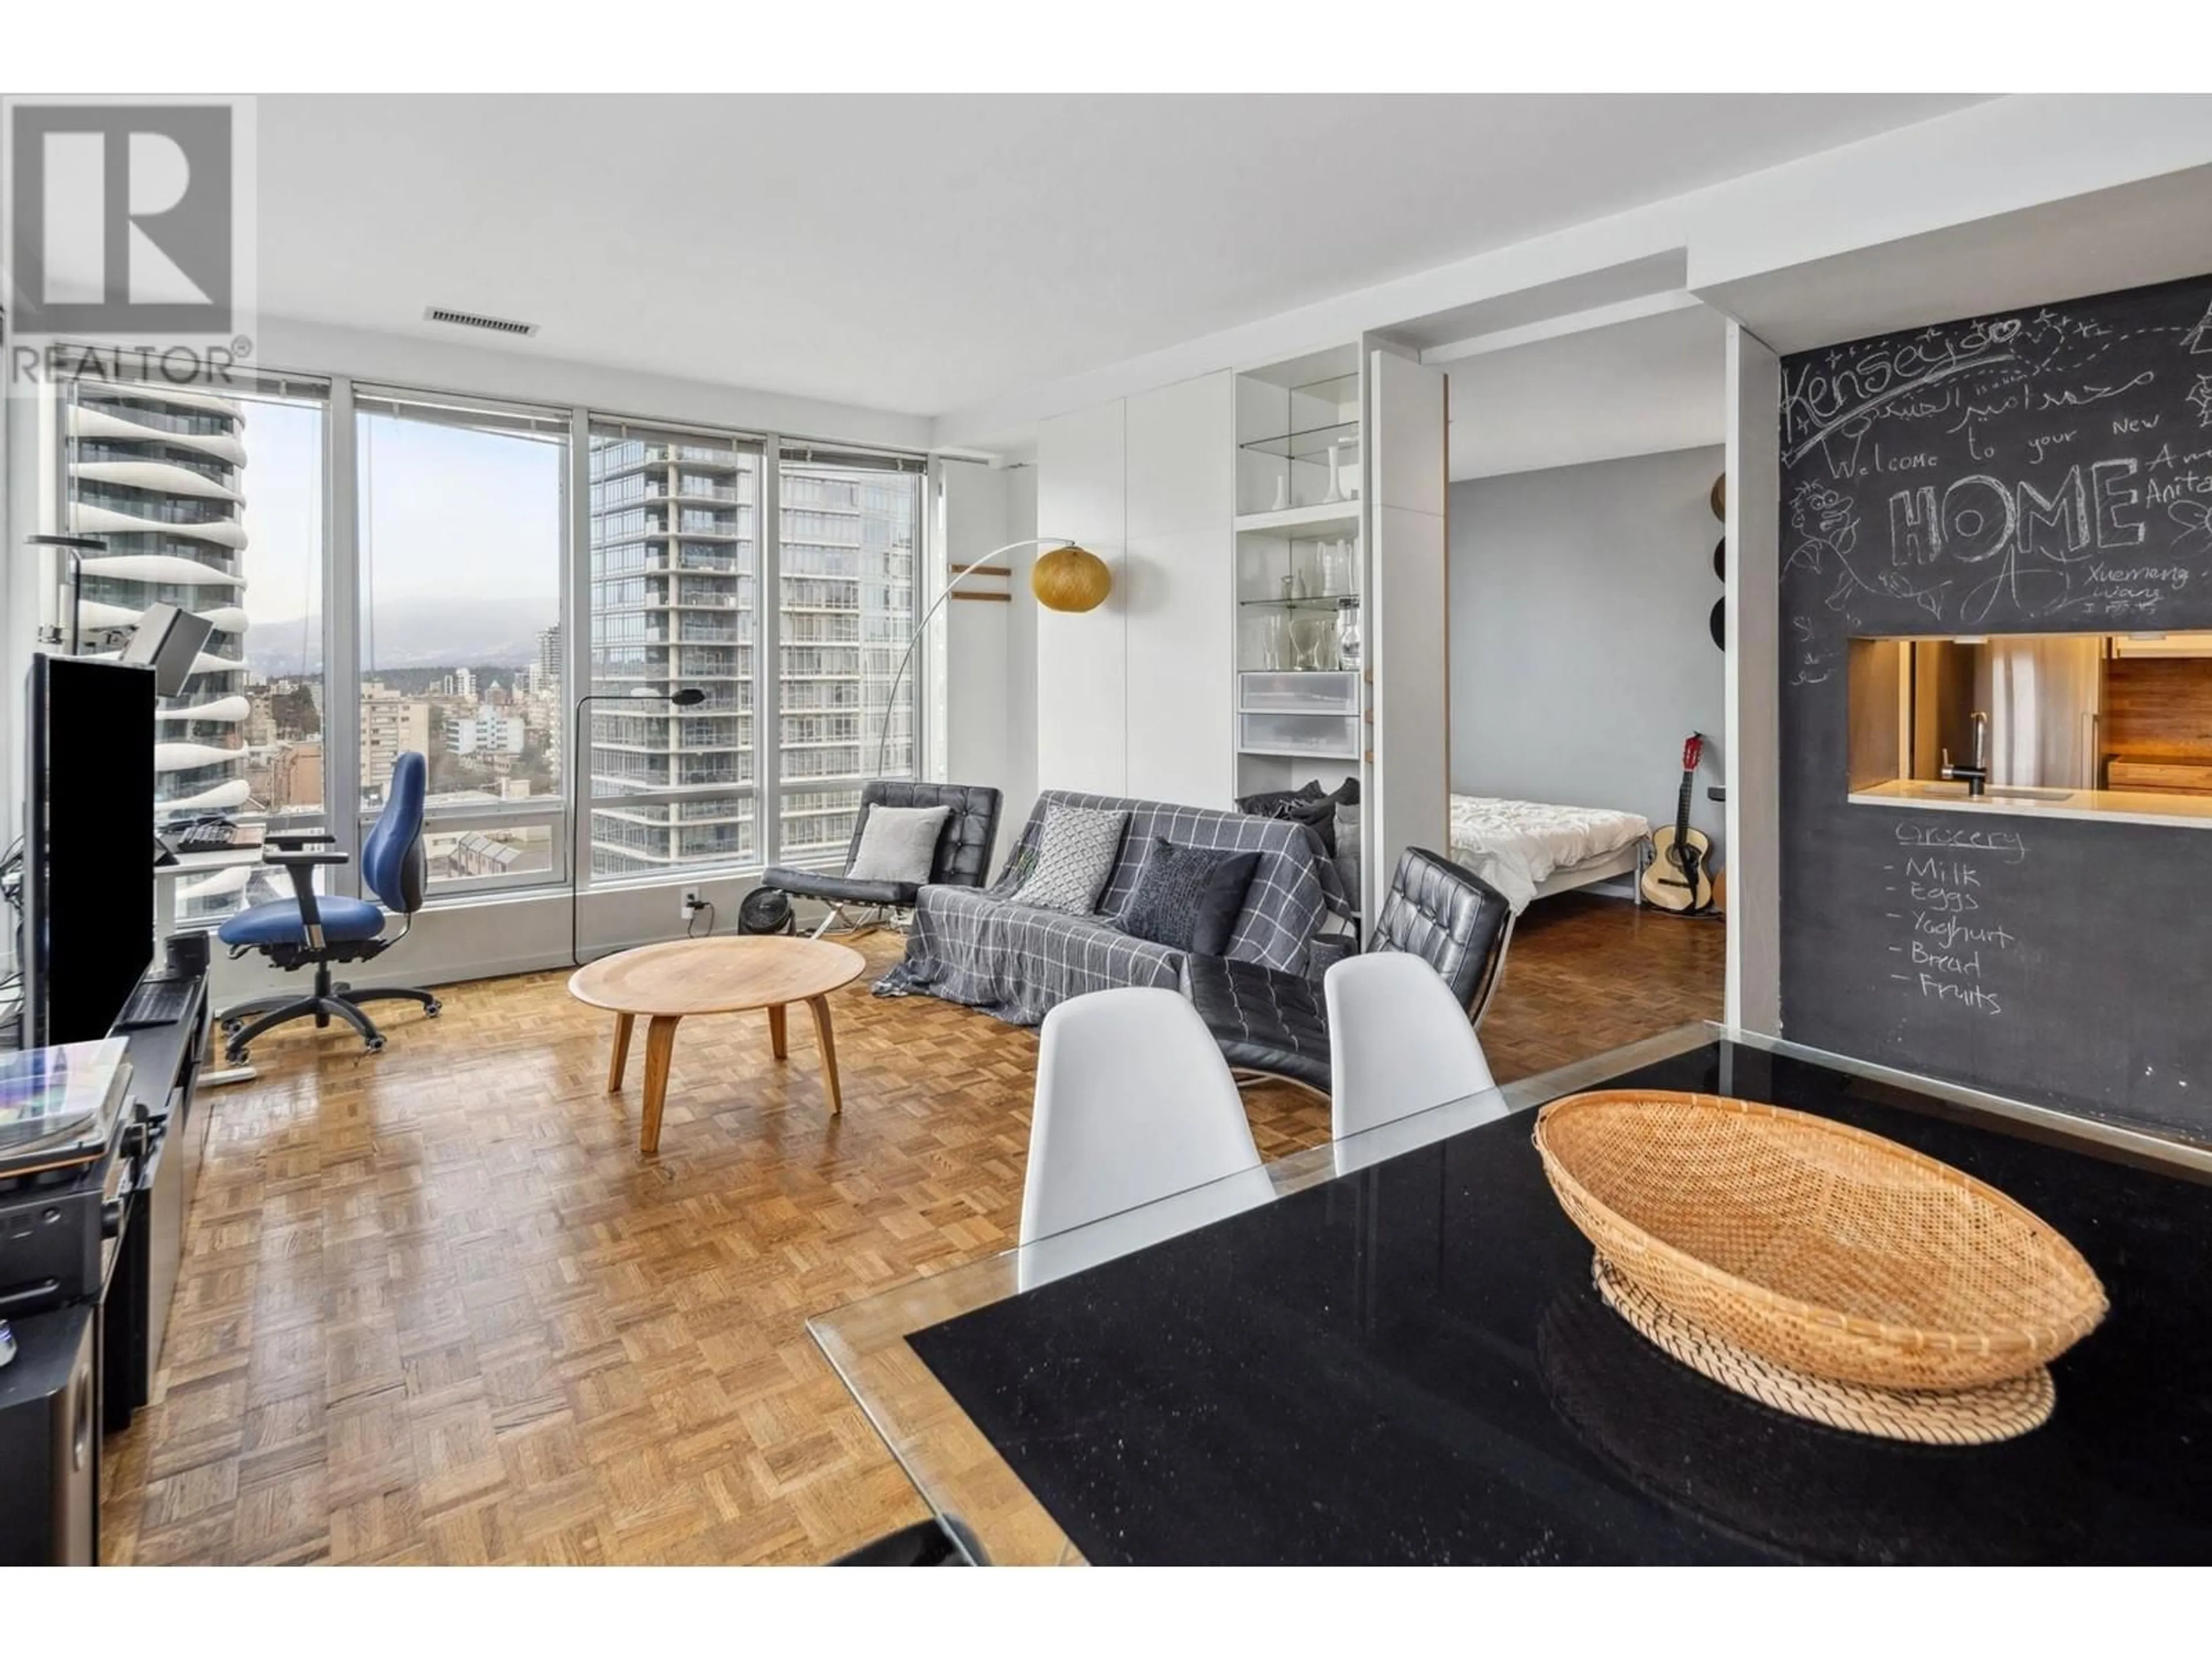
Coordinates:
(1816, 1245)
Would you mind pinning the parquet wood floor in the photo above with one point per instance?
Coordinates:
(435, 1308)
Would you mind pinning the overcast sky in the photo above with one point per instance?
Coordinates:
(446, 514)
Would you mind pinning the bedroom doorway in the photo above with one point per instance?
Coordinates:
(1586, 672)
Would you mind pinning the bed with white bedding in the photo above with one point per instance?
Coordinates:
(1531, 849)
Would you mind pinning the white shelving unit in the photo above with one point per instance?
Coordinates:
(1299, 532)
(1310, 473)
(1292, 523)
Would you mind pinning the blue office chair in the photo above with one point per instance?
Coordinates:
(323, 929)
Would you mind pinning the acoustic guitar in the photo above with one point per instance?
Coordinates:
(1676, 878)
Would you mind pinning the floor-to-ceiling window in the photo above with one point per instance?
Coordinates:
(213, 503)
(847, 565)
(674, 606)
(462, 538)
(452, 583)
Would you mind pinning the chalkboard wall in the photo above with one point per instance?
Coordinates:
(2043, 472)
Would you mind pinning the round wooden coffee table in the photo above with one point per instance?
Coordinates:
(670, 982)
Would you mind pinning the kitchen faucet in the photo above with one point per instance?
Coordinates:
(1977, 776)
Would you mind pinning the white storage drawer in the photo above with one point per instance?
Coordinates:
(1307, 693)
(1336, 736)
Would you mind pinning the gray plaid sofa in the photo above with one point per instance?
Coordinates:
(974, 946)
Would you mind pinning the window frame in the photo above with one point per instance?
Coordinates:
(577, 645)
(900, 464)
(551, 810)
(251, 385)
(565, 812)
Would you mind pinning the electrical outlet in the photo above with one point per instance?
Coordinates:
(693, 900)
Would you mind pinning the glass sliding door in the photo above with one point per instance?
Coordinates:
(211, 501)
(848, 564)
(463, 531)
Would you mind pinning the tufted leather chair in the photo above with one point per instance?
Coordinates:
(963, 848)
(1452, 919)
(1271, 1023)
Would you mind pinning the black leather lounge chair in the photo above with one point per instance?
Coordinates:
(964, 852)
(1274, 1024)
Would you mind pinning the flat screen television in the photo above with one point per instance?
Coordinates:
(87, 846)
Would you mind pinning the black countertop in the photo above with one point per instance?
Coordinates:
(1409, 1364)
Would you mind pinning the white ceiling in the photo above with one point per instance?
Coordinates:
(1634, 388)
(922, 254)
(2154, 230)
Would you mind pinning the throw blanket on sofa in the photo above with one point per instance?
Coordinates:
(974, 946)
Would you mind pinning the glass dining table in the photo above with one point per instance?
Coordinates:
(1388, 1349)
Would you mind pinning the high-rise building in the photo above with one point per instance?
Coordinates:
(544, 676)
(846, 563)
(155, 470)
(392, 722)
(674, 564)
(674, 582)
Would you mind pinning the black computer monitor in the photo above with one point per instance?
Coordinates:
(87, 846)
(169, 641)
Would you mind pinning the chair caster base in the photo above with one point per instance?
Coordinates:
(432, 1010)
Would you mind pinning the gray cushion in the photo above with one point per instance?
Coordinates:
(1074, 858)
(899, 843)
(1189, 897)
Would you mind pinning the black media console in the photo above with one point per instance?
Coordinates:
(89, 1262)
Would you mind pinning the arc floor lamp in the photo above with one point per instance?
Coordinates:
(1068, 578)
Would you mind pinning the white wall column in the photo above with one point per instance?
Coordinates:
(968, 700)
(1179, 591)
(1082, 683)
(1752, 741)
(1021, 684)
(1409, 657)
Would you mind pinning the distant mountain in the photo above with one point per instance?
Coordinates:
(413, 633)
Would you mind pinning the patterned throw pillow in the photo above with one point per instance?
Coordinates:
(1189, 897)
(1074, 859)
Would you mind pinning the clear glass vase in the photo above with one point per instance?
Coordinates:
(1347, 634)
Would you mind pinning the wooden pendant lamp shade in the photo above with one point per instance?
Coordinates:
(1070, 578)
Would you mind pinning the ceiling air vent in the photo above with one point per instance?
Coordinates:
(477, 320)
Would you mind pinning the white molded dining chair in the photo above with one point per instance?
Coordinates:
(1134, 1103)
(1399, 1041)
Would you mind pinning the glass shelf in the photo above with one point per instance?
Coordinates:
(1311, 443)
(1306, 602)
(1321, 521)
(1330, 388)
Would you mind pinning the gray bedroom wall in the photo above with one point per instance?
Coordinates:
(1580, 651)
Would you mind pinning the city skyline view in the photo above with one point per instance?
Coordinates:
(215, 504)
